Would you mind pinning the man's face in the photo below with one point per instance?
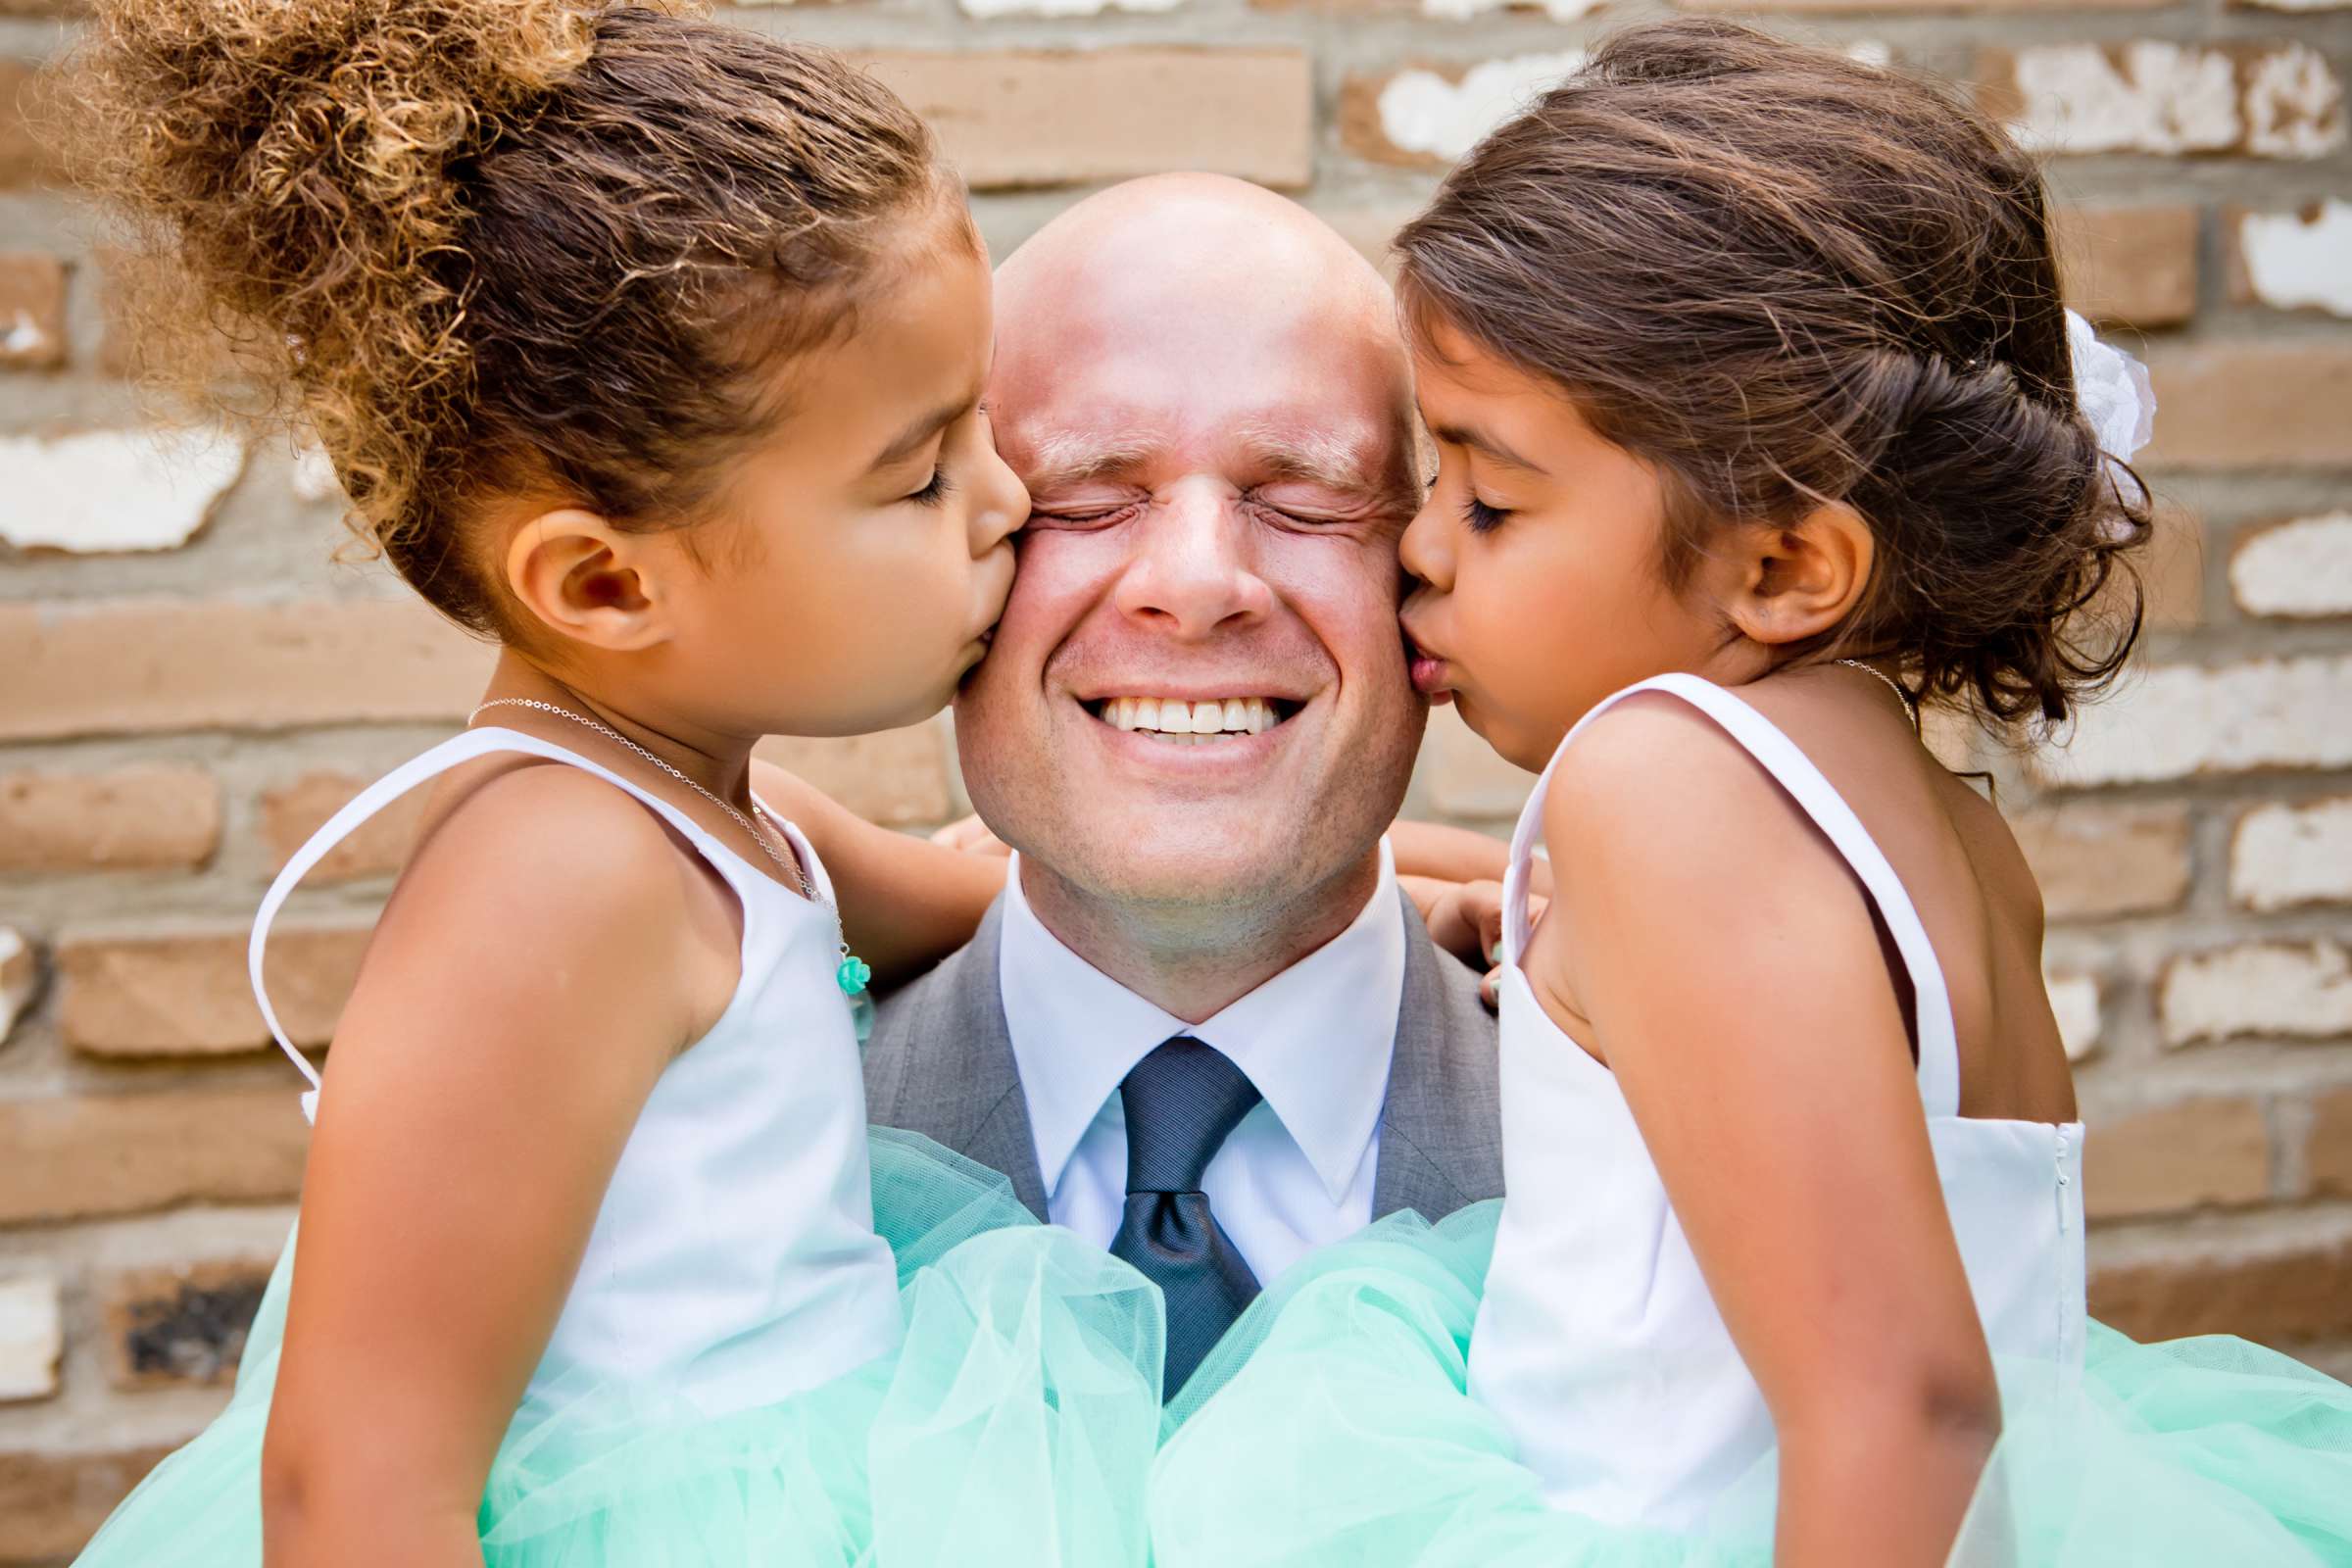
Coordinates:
(1217, 498)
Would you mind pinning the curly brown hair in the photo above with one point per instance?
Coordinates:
(1784, 277)
(487, 248)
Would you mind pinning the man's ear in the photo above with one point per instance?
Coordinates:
(1796, 581)
(587, 581)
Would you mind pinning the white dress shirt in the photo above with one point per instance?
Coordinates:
(1315, 1039)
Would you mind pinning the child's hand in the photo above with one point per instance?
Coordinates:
(971, 834)
(1465, 919)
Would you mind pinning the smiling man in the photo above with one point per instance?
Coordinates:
(1201, 1026)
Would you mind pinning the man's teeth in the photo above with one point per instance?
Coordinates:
(1172, 719)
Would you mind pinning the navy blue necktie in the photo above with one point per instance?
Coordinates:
(1181, 1103)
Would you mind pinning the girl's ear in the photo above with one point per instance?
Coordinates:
(589, 582)
(1792, 581)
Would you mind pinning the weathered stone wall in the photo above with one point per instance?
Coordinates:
(188, 684)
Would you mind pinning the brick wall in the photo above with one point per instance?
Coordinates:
(188, 684)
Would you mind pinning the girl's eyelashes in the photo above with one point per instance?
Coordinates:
(937, 491)
(1475, 513)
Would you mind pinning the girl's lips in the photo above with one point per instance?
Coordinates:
(1431, 678)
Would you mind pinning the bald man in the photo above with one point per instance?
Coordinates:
(1201, 1026)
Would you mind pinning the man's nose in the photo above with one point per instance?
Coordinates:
(1193, 571)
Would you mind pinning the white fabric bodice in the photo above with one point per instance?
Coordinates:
(733, 1260)
(1597, 1342)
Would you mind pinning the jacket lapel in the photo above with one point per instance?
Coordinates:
(1440, 1135)
(941, 1064)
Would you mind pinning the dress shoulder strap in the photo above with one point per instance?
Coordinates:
(1818, 798)
(452, 753)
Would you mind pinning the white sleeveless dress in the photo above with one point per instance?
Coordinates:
(744, 1370)
(1596, 1316)
(1549, 1381)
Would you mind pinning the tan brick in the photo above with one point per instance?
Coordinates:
(2267, 99)
(897, 778)
(2277, 1298)
(2172, 571)
(2252, 405)
(2281, 855)
(2136, 266)
(20, 978)
(76, 1157)
(2204, 1151)
(1020, 118)
(112, 666)
(32, 1336)
(2168, 721)
(155, 816)
(51, 1503)
(178, 1326)
(2167, 575)
(2298, 569)
(2093, 861)
(189, 995)
(32, 311)
(292, 812)
(1361, 132)
(2280, 990)
(25, 158)
(2327, 1151)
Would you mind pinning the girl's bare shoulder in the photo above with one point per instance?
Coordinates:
(521, 854)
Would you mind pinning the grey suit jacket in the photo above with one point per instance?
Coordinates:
(941, 1063)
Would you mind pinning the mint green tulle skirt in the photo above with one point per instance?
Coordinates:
(1014, 1426)
(1333, 1428)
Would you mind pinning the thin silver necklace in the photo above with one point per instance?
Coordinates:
(1910, 702)
(854, 973)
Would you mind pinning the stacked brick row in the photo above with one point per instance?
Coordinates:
(189, 684)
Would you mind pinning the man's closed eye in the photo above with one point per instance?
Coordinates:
(1098, 515)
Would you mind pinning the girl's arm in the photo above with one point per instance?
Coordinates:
(1725, 965)
(1454, 878)
(905, 902)
(1437, 853)
(518, 1002)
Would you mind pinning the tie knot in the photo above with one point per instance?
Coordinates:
(1181, 1103)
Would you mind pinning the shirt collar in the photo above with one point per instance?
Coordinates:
(1315, 1039)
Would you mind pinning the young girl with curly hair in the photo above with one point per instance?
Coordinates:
(1757, 426)
(651, 349)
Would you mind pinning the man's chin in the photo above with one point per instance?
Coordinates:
(1230, 870)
